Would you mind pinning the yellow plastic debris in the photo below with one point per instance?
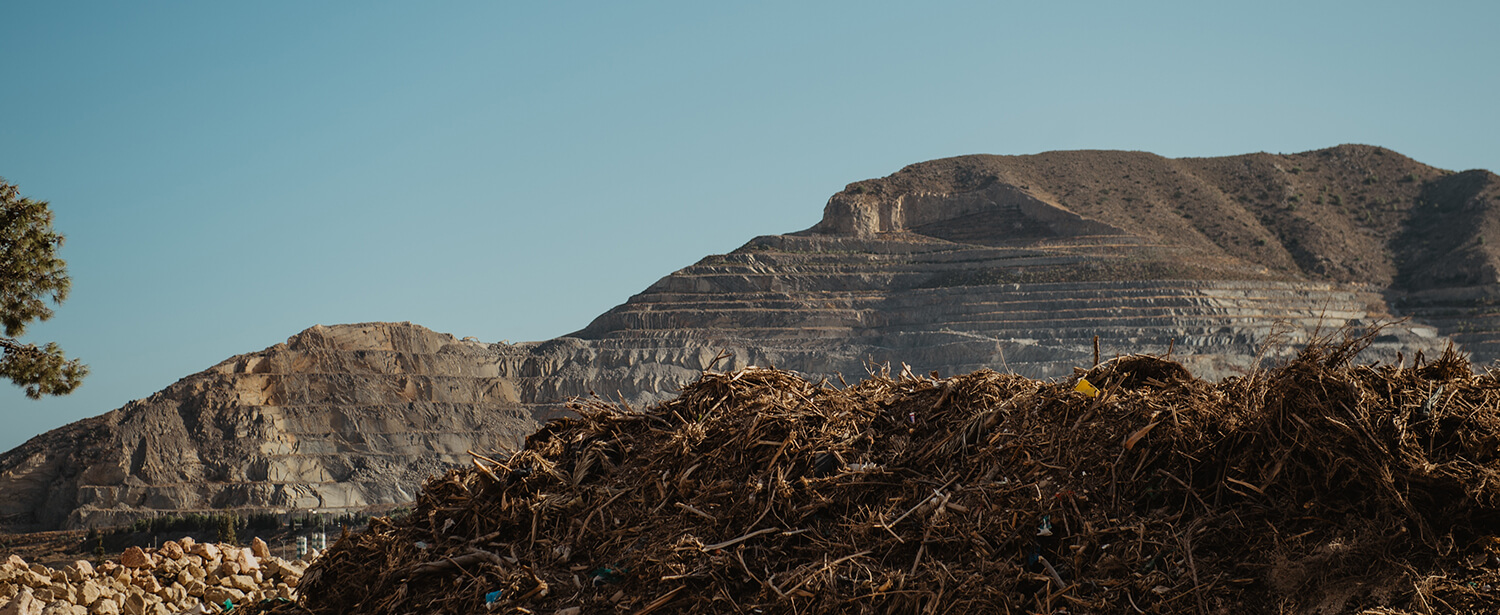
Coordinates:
(1087, 388)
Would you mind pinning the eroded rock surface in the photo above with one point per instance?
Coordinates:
(337, 418)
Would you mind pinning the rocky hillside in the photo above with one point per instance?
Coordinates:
(1019, 261)
(337, 418)
(1013, 263)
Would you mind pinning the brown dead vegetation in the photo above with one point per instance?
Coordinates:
(1315, 486)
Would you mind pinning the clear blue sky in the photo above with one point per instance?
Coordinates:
(229, 174)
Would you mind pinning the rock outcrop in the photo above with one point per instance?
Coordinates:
(337, 418)
(1013, 263)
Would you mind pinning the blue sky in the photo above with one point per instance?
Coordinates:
(229, 174)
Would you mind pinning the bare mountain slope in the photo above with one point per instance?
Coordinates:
(337, 418)
(1327, 215)
(1013, 263)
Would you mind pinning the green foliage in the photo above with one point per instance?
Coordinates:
(266, 522)
(227, 533)
(41, 371)
(230, 527)
(171, 524)
(97, 539)
(31, 276)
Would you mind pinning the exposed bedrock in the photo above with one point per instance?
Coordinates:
(338, 418)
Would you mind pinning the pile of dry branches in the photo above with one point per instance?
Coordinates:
(1316, 486)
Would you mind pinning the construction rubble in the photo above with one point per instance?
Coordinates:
(179, 577)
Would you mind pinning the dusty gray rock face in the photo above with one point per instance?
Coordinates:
(906, 301)
(1007, 263)
(337, 418)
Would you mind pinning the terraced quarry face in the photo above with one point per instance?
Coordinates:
(1019, 262)
(1006, 263)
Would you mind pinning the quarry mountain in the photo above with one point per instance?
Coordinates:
(1009, 263)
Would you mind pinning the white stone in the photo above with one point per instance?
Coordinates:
(24, 603)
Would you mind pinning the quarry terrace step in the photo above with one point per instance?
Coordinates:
(1000, 303)
(1046, 291)
(1003, 298)
(944, 313)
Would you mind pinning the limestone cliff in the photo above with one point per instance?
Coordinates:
(337, 418)
(1004, 262)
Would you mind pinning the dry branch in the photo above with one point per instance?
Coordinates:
(1273, 492)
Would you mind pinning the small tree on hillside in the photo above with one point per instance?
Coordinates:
(31, 276)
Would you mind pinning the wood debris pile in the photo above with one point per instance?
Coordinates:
(1316, 486)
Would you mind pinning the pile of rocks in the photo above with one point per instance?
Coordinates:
(180, 577)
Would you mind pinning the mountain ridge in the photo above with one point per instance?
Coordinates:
(1015, 263)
